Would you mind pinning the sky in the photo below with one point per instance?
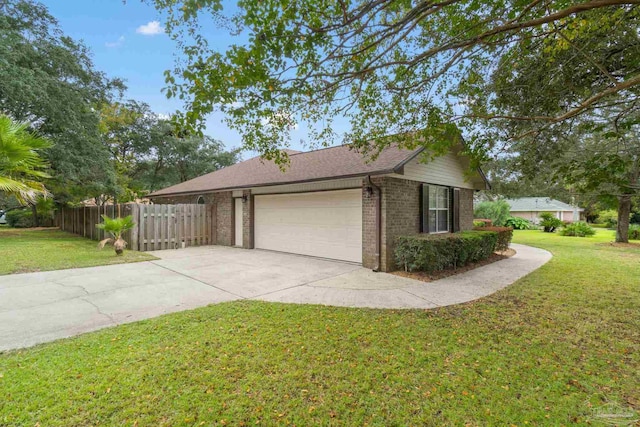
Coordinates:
(127, 41)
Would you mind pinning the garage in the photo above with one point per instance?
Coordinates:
(325, 224)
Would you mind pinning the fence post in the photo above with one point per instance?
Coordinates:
(134, 230)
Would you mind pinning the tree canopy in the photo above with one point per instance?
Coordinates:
(49, 80)
(415, 70)
(535, 81)
(103, 146)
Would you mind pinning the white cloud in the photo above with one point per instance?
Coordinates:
(116, 43)
(151, 28)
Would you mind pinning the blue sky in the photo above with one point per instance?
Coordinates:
(111, 29)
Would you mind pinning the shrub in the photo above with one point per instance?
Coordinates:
(577, 229)
(634, 232)
(505, 234)
(434, 252)
(497, 211)
(20, 218)
(608, 218)
(517, 223)
(549, 222)
(482, 222)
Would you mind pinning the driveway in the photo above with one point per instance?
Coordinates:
(40, 307)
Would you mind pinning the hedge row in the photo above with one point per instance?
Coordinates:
(505, 234)
(434, 252)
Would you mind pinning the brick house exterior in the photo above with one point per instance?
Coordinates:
(398, 193)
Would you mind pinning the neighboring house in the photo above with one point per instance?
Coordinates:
(530, 208)
(333, 203)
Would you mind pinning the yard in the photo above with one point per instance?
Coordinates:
(560, 347)
(27, 250)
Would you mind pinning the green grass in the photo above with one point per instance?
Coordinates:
(556, 348)
(26, 250)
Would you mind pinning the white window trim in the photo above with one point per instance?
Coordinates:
(447, 209)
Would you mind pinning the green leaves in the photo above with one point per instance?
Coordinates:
(21, 167)
(116, 226)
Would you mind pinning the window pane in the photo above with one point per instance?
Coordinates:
(432, 221)
(443, 198)
(443, 220)
(432, 196)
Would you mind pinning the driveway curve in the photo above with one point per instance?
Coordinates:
(45, 306)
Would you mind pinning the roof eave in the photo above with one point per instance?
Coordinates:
(272, 184)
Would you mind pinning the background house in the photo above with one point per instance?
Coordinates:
(530, 209)
(334, 202)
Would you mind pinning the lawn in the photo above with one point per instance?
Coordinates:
(560, 347)
(26, 250)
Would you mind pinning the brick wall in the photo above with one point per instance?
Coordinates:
(466, 209)
(247, 220)
(189, 199)
(224, 217)
(400, 215)
(369, 204)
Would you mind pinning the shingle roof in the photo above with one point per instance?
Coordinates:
(538, 204)
(327, 163)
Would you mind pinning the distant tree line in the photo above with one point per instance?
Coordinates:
(101, 147)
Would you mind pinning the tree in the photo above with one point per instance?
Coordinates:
(175, 158)
(22, 170)
(595, 153)
(148, 154)
(127, 130)
(412, 69)
(48, 80)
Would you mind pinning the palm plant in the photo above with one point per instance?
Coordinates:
(21, 167)
(116, 227)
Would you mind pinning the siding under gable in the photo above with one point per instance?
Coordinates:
(444, 170)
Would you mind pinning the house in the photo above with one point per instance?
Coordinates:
(334, 202)
(530, 209)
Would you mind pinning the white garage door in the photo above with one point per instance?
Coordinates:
(325, 224)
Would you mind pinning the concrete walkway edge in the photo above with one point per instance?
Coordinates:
(45, 306)
(399, 292)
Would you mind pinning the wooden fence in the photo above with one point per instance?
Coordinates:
(157, 226)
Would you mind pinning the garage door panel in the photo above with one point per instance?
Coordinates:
(325, 224)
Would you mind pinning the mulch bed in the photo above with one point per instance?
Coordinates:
(430, 277)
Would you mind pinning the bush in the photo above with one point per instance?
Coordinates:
(634, 232)
(435, 252)
(481, 222)
(20, 218)
(577, 229)
(608, 218)
(549, 222)
(498, 211)
(505, 234)
(517, 223)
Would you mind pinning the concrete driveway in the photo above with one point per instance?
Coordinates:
(40, 307)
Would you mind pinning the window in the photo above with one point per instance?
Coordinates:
(200, 200)
(438, 209)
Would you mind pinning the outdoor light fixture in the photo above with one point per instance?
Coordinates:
(368, 191)
(245, 198)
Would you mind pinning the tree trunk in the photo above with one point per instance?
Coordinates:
(34, 212)
(624, 212)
